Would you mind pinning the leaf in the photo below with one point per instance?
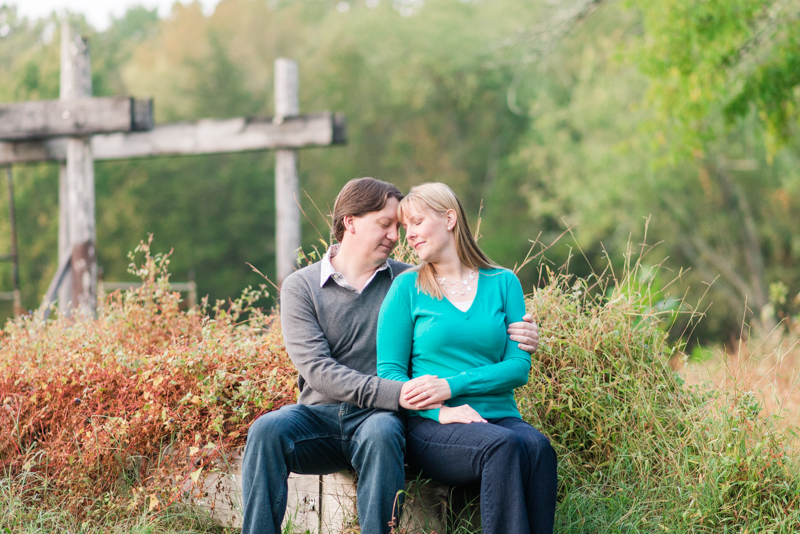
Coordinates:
(193, 451)
(153, 502)
(195, 476)
(157, 381)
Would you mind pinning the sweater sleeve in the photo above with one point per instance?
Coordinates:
(309, 351)
(513, 370)
(395, 334)
(396, 337)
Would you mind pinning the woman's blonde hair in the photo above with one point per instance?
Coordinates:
(439, 198)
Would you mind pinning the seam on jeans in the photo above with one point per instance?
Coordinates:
(471, 447)
(482, 450)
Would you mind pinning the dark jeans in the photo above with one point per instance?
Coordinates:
(514, 462)
(320, 440)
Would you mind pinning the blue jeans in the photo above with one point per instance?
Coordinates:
(319, 440)
(514, 462)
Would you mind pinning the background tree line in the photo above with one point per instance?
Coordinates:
(584, 114)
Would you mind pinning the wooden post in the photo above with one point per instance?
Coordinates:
(192, 302)
(287, 196)
(76, 201)
(14, 251)
(64, 249)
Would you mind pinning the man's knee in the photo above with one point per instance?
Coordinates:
(382, 432)
(270, 428)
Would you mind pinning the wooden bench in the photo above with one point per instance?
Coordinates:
(320, 504)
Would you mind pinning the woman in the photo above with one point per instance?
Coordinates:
(448, 318)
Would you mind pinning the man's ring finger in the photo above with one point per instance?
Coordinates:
(426, 394)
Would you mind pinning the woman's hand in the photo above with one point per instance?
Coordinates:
(426, 391)
(460, 414)
(408, 386)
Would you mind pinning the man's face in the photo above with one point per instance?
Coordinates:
(375, 233)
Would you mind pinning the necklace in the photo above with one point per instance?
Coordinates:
(459, 287)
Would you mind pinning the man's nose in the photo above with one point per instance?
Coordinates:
(393, 234)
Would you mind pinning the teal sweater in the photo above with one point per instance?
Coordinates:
(419, 335)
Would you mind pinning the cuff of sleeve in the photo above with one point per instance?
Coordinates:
(458, 385)
(388, 397)
(429, 414)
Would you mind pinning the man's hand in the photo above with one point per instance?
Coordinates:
(426, 392)
(412, 385)
(526, 333)
(460, 414)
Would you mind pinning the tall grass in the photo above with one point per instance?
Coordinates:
(102, 422)
(639, 451)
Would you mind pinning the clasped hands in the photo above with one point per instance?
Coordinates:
(428, 392)
(425, 392)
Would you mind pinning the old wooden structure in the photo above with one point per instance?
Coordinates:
(320, 504)
(78, 129)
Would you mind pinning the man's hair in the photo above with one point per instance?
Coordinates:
(359, 197)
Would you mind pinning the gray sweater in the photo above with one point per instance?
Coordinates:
(330, 335)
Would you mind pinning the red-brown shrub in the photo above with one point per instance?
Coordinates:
(140, 397)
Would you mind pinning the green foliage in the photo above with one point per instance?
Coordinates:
(108, 419)
(637, 450)
(680, 111)
(720, 57)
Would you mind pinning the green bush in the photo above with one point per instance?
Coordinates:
(102, 421)
(638, 451)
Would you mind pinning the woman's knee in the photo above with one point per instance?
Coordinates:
(508, 446)
(538, 445)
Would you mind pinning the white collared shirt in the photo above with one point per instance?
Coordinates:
(328, 271)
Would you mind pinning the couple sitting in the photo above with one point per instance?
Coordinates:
(437, 337)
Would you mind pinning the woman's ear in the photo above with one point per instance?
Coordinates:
(451, 218)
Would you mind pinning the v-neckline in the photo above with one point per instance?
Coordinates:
(474, 298)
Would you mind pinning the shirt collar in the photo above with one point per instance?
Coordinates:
(328, 271)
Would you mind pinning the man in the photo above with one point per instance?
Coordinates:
(346, 416)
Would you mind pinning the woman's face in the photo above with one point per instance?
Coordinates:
(427, 233)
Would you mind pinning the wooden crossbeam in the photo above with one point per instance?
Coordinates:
(203, 137)
(74, 117)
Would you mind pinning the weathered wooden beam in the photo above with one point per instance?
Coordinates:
(12, 220)
(71, 85)
(42, 119)
(184, 139)
(80, 197)
(287, 197)
(64, 268)
(319, 504)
